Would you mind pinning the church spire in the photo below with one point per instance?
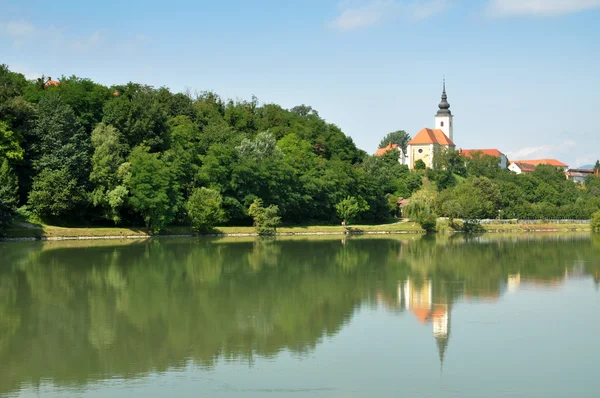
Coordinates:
(444, 105)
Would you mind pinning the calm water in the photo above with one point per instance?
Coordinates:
(413, 317)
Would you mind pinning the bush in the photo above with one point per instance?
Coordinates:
(204, 208)
(8, 195)
(266, 219)
(596, 221)
(349, 208)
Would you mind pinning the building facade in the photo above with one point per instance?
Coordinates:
(427, 142)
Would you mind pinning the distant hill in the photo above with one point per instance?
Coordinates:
(587, 166)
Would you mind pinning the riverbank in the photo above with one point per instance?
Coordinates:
(27, 231)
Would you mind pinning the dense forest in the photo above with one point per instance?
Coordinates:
(80, 153)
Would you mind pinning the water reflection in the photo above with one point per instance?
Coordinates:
(77, 312)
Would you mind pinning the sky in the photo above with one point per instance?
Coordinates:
(522, 76)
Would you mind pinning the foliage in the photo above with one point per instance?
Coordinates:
(86, 137)
(482, 165)
(154, 194)
(473, 199)
(204, 208)
(597, 166)
(9, 198)
(109, 155)
(420, 165)
(349, 208)
(61, 142)
(421, 208)
(596, 221)
(399, 137)
(9, 143)
(55, 193)
(266, 219)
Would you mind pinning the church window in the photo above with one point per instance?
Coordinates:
(442, 124)
(420, 151)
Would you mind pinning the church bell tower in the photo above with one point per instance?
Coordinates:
(443, 118)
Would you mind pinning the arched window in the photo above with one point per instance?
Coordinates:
(442, 124)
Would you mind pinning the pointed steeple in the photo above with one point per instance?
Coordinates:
(444, 105)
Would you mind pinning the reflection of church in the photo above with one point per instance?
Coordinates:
(420, 301)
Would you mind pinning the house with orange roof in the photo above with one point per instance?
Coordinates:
(391, 147)
(528, 166)
(469, 153)
(50, 83)
(428, 141)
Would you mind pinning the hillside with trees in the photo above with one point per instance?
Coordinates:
(81, 153)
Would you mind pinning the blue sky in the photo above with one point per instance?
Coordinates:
(522, 76)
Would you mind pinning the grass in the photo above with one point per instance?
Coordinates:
(29, 230)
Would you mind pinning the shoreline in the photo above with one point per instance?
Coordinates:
(50, 233)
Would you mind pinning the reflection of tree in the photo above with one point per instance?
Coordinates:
(96, 311)
(76, 314)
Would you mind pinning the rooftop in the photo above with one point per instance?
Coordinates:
(492, 152)
(383, 151)
(431, 136)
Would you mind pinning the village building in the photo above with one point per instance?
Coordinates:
(528, 166)
(50, 83)
(579, 175)
(391, 147)
(427, 142)
(491, 152)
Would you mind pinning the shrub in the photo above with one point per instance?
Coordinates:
(596, 221)
(266, 219)
(204, 208)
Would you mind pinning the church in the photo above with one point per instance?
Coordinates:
(428, 141)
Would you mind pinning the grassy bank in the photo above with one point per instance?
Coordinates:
(27, 230)
(445, 227)
(39, 231)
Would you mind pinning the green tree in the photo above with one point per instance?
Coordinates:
(597, 166)
(350, 208)
(54, 195)
(266, 219)
(154, 193)
(9, 195)
(137, 113)
(9, 143)
(204, 208)
(61, 141)
(399, 137)
(421, 208)
(596, 221)
(420, 165)
(109, 154)
(480, 164)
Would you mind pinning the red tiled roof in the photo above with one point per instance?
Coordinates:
(525, 167)
(535, 162)
(430, 136)
(491, 152)
(383, 151)
(50, 82)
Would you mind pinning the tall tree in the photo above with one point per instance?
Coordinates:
(399, 137)
(61, 141)
(154, 191)
(137, 113)
(9, 194)
(109, 154)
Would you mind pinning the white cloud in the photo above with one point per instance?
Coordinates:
(25, 70)
(86, 43)
(542, 151)
(540, 7)
(19, 29)
(361, 15)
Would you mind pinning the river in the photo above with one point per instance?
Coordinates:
(407, 316)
